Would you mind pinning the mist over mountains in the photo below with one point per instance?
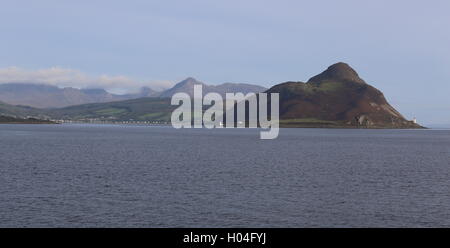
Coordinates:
(47, 96)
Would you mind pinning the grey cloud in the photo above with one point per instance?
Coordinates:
(64, 77)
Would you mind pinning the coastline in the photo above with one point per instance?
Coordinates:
(13, 120)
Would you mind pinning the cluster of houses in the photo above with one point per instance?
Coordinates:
(100, 121)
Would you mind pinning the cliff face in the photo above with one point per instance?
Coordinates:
(337, 97)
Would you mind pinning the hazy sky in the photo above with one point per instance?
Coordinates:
(400, 47)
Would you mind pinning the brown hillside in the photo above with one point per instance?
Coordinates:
(337, 97)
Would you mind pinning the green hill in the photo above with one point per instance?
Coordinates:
(141, 109)
(22, 111)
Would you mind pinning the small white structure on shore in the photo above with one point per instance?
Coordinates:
(414, 120)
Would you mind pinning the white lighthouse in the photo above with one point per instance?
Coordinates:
(414, 120)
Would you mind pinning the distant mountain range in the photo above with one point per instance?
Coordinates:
(337, 97)
(187, 86)
(47, 96)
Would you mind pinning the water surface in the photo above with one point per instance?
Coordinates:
(143, 176)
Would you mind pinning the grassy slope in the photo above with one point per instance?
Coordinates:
(21, 111)
(142, 109)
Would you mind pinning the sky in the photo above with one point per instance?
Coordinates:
(400, 47)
